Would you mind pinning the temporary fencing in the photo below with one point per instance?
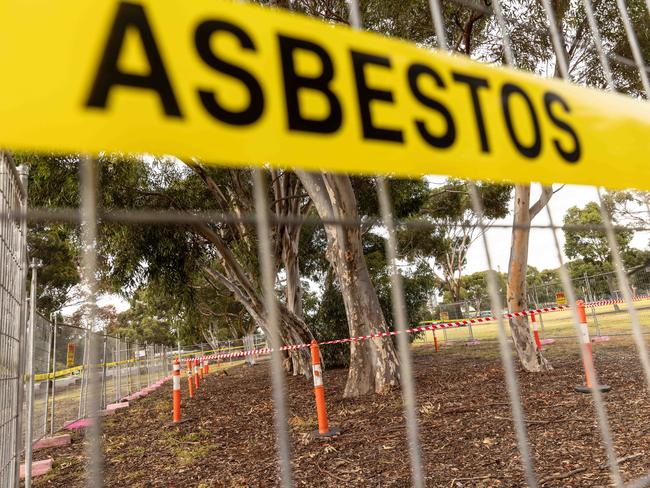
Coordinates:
(433, 326)
(572, 144)
(601, 288)
(125, 367)
(13, 266)
(42, 365)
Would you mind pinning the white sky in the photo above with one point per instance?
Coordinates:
(542, 253)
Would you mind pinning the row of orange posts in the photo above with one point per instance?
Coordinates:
(198, 369)
(196, 372)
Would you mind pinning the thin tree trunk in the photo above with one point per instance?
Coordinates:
(531, 359)
(293, 291)
(292, 269)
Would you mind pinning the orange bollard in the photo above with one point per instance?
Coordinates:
(189, 377)
(176, 393)
(196, 373)
(206, 366)
(435, 341)
(202, 368)
(536, 331)
(587, 357)
(324, 429)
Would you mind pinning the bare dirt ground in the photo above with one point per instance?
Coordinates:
(465, 428)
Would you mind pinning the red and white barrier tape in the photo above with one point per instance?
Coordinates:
(431, 326)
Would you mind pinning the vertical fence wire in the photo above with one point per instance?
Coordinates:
(599, 405)
(12, 287)
(29, 360)
(624, 286)
(506, 358)
(634, 46)
(55, 333)
(598, 44)
(557, 39)
(270, 304)
(88, 190)
(20, 289)
(403, 343)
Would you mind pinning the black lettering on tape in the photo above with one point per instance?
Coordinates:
(293, 83)
(449, 136)
(507, 91)
(367, 94)
(474, 84)
(253, 111)
(132, 16)
(572, 156)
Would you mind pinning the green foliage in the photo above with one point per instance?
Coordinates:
(454, 227)
(152, 317)
(57, 248)
(591, 246)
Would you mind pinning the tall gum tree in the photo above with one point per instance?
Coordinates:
(373, 364)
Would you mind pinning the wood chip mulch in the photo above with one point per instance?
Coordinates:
(466, 429)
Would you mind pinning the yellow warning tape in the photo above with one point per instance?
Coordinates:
(67, 371)
(245, 84)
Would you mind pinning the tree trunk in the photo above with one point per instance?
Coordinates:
(292, 329)
(531, 359)
(293, 291)
(373, 363)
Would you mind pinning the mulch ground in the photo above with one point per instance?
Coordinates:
(465, 428)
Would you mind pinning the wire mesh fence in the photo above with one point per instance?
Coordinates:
(42, 367)
(125, 366)
(605, 319)
(13, 268)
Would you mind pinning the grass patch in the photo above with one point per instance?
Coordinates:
(556, 324)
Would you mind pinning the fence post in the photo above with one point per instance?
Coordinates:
(189, 378)
(103, 398)
(55, 333)
(47, 379)
(585, 345)
(176, 394)
(324, 429)
(30, 379)
(137, 365)
(118, 371)
(84, 372)
(147, 362)
(129, 384)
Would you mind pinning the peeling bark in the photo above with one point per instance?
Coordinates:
(373, 363)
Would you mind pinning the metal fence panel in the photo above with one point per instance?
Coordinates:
(12, 286)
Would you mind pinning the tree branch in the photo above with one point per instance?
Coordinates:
(547, 193)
